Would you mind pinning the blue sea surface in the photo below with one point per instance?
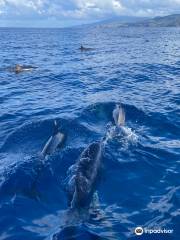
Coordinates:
(140, 176)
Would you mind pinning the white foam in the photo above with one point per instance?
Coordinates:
(124, 135)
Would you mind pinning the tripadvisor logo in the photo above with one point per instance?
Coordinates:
(139, 231)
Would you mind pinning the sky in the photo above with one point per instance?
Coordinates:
(63, 13)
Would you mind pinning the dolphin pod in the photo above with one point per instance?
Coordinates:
(82, 176)
(24, 68)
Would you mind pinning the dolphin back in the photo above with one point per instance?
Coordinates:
(85, 177)
(52, 144)
(119, 116)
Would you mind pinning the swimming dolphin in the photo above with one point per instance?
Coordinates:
(53, 142)
(81, 184)
(119, 120)
(21, 68)
(119, 116)
(82, 48)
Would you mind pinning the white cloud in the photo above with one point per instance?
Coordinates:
(85, 9)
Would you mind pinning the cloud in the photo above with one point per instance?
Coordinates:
(83, 10)
(151, 7)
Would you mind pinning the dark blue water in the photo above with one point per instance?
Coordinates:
(140, 176)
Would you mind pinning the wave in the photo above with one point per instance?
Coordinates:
(129, 157)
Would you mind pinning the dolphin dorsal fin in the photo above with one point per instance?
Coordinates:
(55, 128)
(55, 123)
(121, 117)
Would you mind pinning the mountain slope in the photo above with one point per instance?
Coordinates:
(166, 21)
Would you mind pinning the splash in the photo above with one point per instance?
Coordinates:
(124, 135)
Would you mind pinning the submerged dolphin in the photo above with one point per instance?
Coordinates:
(81, 185)
(119, 116)
(53, 142)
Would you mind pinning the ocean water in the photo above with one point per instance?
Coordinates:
(139, 183)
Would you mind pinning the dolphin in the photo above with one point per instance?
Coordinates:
(83, 176)
(21, 68)
(119, 120)
(53, 142)
(119, 116)
(83, 49)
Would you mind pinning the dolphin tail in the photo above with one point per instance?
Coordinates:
(121, 117)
